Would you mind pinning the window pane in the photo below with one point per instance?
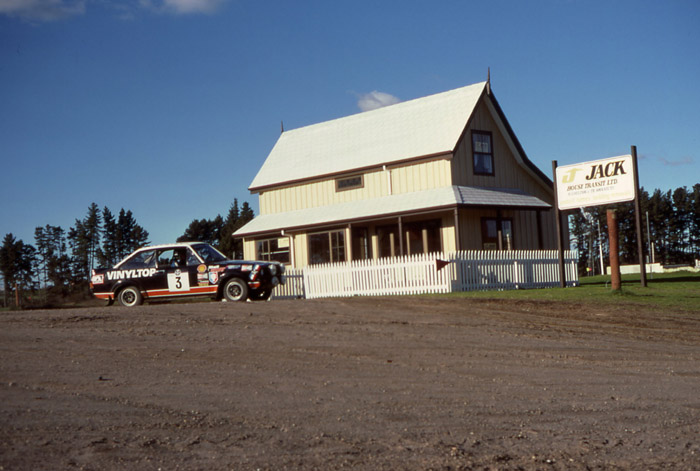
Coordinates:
(482, 143)
(349, 183)
(273, 250)
(262, 250)
(319, 248)
(145, 259)
(483, 153)
(338, 246)
(491, 231)
(507, 228)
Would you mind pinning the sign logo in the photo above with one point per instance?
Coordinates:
(595, 183)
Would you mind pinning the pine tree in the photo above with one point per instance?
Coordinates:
(109, 255)
(203, 230)
(17, 263)
(680, 225)
(227, 245)
(129, 235)
(695, 221)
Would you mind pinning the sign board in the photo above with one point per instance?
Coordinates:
(595, 183)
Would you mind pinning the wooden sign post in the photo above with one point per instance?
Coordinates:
(615, 279)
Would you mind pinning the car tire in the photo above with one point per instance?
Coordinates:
(130, 296)
(235, 289)
(260, 294)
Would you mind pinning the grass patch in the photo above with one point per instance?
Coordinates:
(677, 291)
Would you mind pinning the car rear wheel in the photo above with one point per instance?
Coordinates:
(235, 289)
(130, 296)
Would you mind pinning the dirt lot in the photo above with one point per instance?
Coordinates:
(364, 383)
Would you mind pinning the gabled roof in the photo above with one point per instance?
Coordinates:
(425, 126)
(394, 205)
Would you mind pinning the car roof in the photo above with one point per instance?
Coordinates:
(174, 244)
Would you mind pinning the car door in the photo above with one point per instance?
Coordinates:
(179, 276)
(141, 269)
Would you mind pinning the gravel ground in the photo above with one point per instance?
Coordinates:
(412, 383)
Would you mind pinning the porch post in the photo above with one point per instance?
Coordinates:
(348, 244)
(458, 242)
(292, 251)
(499, 229)
(401, 252)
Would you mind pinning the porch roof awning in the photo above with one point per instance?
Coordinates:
(394, 205)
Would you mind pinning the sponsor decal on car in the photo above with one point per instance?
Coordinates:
(128, 274)
(97, 279)
(215, 274)
(177, 282)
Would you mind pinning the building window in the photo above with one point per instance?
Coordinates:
(482, 149)
(422, 237)
(490, 236)
(276, 250)
(350, 183)
(327, 247)
(361, 244)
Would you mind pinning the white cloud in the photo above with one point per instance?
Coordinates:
(375, 99)
(675, 163)
(42, 10)
(182, 7)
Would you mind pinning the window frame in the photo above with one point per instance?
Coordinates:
(494, 240)
(268, 255)
(332, 249)
(483, 154)
(352, 186)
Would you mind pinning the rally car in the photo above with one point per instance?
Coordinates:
(184, 269)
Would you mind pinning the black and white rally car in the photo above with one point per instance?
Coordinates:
(184, 269)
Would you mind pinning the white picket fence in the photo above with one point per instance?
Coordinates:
(430, 273)
(476, 270)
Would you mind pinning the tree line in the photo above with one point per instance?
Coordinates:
(57, 267)
(670, 226)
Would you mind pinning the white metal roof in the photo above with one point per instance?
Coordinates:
(415, 128)
(437, 198)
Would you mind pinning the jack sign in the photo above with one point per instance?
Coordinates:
(595, 183)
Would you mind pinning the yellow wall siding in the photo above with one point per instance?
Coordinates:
(406, 178)
(249, 249)
(508, 173)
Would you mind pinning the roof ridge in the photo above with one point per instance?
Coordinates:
(422, 126)
(391, 107)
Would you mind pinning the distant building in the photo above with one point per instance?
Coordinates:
(439, 173)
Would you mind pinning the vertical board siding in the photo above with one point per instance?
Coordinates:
(469, 270)
(405, 179)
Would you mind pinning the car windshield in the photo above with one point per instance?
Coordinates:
(208, 253)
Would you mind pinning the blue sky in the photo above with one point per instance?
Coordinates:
(169, 107)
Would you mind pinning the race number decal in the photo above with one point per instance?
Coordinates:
(178, 281)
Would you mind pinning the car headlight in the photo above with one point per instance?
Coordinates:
(273, 269)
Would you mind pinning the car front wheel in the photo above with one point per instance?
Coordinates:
(235, 289)
(130, 296)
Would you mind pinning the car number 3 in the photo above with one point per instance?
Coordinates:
(178, 282)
